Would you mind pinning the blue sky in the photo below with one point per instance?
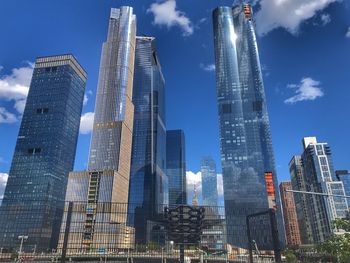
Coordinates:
(304, 50)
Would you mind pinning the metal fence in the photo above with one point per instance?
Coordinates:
(100, 232)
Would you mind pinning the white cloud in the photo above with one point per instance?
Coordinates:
(165, 13)
(347, 35)
(326, 19)
(202, 20)
(7, 117)
(86, 122)
(307, 89)
(85, 101)
(208, 67)
(86, 97)
(15, 87)
(288, 14)
(3, 181)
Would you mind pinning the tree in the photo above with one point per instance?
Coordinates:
(342, 223)
(339, 244)
(290, 257)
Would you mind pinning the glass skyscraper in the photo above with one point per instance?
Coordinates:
(111, 141)
(344, 176)
(44, 154)
(105, 186)
(320, 177)
(114, 109)
(245, 140)
(148, 179)
(209, 182)
(299, 183)
(176, 167)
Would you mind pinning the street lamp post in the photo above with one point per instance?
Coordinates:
(22, 238)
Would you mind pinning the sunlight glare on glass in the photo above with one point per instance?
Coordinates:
(233, 36)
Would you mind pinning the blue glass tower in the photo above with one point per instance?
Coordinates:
(148, 180)
(246, 147)
(344, 176)
(176, 167)
(209, 182)
(44, 154)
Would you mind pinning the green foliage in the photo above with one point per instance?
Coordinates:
(339, 244)
(342, 224)
(151, 245)
(140, 248)
(290, 256)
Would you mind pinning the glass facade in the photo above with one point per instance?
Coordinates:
(112, 132)
(176, 167)
(344, 176)
(299, 184)
(245, 140)
(320, 177)
(106, 183)
(209, 182)
(148, 179)
(44, 154)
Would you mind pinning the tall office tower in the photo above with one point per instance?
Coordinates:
(176, 167)
(344, 176)
(299, 184)
(245, 140)
(114, 111)
(290, 215)
(111, 144)
(148, 180)
(209, 182)
(320, 177)
(44, 154)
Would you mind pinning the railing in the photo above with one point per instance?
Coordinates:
(57, 231)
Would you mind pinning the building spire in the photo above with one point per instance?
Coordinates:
(195, 197)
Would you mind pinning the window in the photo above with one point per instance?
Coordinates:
(226, 108)
(34, 150)
(42, 110)
(257, 105)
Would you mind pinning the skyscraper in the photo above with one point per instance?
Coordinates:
(114, 108)
(111, 141)
(105, 186)
(299, 183)
(148, 179)
(289, 215)
(176, 167)
(344, 177)
(44, 154)
(320, 177)
(245, 140)
(209, 182)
